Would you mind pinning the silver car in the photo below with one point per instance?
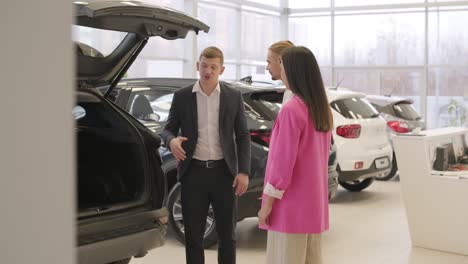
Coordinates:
(401, 117)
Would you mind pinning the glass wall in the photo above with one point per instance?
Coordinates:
(447, 100)
(315, 33)
(410, 48)
(379, 39)
(309, 4)
(224, 29)
(413, 48)
(160, 57)
(243, 32)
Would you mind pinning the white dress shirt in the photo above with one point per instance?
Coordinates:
(208, 143)
(287, 95)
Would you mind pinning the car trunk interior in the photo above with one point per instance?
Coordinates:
(110, 163)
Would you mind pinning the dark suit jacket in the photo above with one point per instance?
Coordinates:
(233, 132)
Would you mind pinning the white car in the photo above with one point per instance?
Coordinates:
(401, 117)
(363, 148)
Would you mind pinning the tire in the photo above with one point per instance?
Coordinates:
(356, 186)
(392, 173)
(176, 222)
(122, 261)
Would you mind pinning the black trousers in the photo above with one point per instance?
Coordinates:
(200, 188)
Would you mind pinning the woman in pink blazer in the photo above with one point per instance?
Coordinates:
(295, 198)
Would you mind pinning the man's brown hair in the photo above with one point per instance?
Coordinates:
(211, 53)
(280, 46)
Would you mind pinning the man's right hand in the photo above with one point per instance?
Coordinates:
(176, 148)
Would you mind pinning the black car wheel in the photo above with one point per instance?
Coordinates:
(122, 261)
(392, 173)
(176, 221)
(356, 186)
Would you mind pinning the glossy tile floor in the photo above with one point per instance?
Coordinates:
(365, 228)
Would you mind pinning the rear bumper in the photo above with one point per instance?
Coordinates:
(371, 172)
(347, 159)
(115, 249)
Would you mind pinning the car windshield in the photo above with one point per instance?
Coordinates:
(406, 111)
(93, 42)
(354, 108)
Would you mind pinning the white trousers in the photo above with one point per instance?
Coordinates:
(283, 248)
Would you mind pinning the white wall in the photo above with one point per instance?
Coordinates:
(37, 183)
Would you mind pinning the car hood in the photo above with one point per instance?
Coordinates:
(141, 21)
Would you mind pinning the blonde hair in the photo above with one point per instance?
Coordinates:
(211, 53)
(280, 46)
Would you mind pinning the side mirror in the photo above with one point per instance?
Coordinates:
(149, 117)
(153, 117)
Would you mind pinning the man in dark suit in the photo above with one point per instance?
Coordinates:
(213, 151)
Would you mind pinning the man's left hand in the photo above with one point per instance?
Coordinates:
(241, 183)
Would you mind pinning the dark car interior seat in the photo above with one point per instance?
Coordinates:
(141, 108)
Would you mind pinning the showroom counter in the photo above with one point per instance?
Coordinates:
(436, 201)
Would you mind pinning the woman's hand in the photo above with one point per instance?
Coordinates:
(264, 213)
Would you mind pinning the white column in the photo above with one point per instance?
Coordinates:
(284, 19)
(191, 44)
(37, 181)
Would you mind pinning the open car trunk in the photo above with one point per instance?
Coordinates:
(111, 157)
(117, 182)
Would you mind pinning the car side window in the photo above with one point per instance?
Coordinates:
(150, 105)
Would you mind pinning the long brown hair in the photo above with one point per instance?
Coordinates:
(304, 79)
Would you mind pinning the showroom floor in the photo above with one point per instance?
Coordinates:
(365, 228)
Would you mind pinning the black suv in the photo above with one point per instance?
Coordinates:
(121, 185)
(150, 99)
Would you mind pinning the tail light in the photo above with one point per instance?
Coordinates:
(261, 137)
(349, 131)
(398, 126)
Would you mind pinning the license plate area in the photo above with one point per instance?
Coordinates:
(382, 163)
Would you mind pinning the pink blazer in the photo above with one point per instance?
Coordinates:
(298, 164)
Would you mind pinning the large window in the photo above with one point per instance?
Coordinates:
(414, 49)
(448, 37)
(160, 57)
(243, 32)
(380, 39)
(265, 2)
(314, 33)
(375, 2)
(258, 33)
(447, 100)
(409, 48)
(309, 3)
(224, 28)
